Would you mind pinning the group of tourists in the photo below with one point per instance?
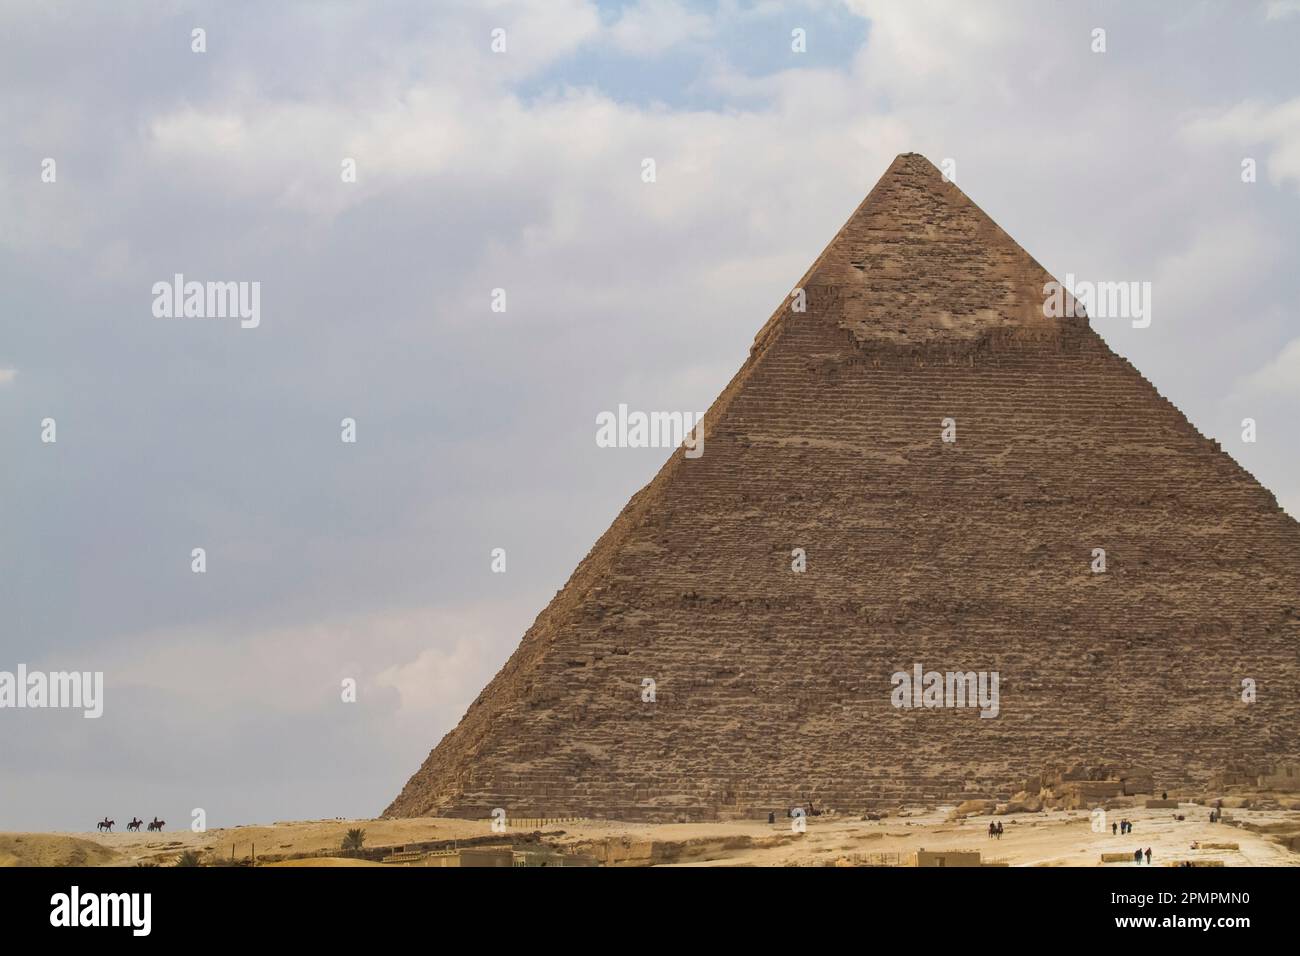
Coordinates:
(995, 830)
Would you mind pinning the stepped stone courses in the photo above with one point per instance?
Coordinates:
(774, 687)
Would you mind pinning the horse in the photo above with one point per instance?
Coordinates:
(105, 824)
(157, 825)
(134, 824)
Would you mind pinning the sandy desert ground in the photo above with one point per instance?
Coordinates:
(1052, 838)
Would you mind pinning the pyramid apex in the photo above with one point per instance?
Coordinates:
(920, 264)
(914, 164)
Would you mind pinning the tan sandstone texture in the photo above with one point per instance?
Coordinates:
(773, 687)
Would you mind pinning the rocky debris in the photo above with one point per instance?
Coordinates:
(1023, 804)
(1282, 776)
(974, 808)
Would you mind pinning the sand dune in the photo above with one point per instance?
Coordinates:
(54, 849)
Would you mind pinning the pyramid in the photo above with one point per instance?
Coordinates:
(773, 686)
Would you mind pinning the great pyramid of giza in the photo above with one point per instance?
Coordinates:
(773, 686)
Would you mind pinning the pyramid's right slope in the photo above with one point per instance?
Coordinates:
(772, 686)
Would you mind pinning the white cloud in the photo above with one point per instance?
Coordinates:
(543, 31)
(1251, 124)
(1214, 270)
(441, 680)
(1281, 9)
(944, 50)
(299, 668)
(651, 27)
(1281, 374)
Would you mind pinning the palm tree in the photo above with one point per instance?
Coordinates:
(354, 840)
(188, 858)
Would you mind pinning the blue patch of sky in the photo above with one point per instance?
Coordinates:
(742, 38)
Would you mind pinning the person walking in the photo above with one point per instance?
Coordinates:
(1148, 856)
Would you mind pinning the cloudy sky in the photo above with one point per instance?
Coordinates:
(519, 170)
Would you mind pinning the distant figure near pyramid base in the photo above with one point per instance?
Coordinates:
(987, 503)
